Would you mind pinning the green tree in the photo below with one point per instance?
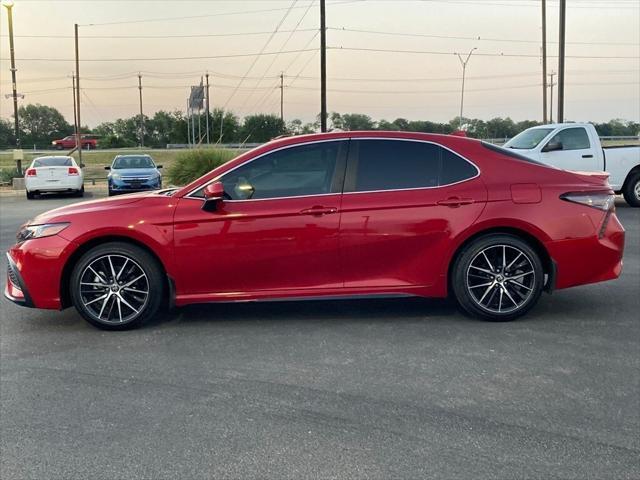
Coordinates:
(357, 121)
(230, 127)
(261, 128)
(40, 124)
(6, 134)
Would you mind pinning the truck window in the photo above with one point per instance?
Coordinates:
(572, 139)
(528, 139)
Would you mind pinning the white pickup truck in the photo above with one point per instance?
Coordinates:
(576, 146)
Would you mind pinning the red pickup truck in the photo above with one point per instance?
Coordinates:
(69, 142)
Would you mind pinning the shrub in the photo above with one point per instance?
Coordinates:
(6, 175)
(195, 163)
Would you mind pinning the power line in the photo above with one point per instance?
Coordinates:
(201, 35)
(220, 14)
(506, 55)
(457, 37)
(199, 57)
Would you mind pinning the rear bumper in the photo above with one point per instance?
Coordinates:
(591, 259)
(61, 185)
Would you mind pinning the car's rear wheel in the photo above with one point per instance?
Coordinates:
(117, 286)
(80, 193)
(497, 277)
(631, 190)
(30, 195)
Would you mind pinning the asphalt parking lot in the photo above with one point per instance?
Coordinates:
(338, 389)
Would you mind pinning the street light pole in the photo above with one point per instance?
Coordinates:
(544, 61)
(9, 6)
(561, 58)
(464, 71)
(323, 67)
(79, 130)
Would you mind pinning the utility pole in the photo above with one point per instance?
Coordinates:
(78, 131)
(323, 67)
(282, 97)
(141, 116)
(14, 86)
(464, 71)
(75, 111)
(544, 61)
(551, 84)
(188, 126)
(561, 50)
(207, 122)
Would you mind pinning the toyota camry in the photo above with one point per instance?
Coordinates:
(324, 216)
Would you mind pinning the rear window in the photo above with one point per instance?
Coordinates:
(511, 153)
(52, 162)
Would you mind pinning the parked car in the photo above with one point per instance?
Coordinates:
(70, 141)
(576, 146)
(53, 174)
(326, 215)
(133, 173)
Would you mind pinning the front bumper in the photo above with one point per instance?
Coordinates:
(34, 271)
(15, 289)
(120, 186)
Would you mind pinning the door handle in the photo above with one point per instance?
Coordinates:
(587, 156)
(318, 211)
(455, 202)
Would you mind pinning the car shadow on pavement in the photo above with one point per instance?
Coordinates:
(340, 311)
(58, 196)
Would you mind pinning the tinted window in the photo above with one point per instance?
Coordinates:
(137, 161)
(455, 168)
(396, 164)
(291, 172)
(572, 139)
(399, 164)
(52, 162)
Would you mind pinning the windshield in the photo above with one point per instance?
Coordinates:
(137, 161)
(528, 139)
(52, 162)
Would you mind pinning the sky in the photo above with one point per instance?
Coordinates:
(386, 58)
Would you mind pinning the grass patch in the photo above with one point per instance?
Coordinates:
(192, 164)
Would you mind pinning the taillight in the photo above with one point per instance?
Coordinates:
(31, 172)
(73, 171)
(604, 201)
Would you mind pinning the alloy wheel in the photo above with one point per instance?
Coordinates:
(114, 289)
(500, 279)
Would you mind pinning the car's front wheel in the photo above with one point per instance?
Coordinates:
(497, 277)
(117, 286)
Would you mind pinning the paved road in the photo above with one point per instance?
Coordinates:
(350, 389)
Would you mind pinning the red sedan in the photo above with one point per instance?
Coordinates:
(329, 215)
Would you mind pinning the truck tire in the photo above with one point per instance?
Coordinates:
(631, 190)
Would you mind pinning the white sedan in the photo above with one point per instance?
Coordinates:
(53, 174)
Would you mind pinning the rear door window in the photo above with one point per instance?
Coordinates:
(404, 164)
(52, 162)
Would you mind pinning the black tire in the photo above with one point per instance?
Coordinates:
(469, 276)
(125, 317)
(30, 195)
(80, 193)
(111, 193)
(631, 190)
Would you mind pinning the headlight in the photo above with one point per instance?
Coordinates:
(38, 231)
(115, 176)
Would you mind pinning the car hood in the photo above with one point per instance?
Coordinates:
(91, 206)
(135, 171)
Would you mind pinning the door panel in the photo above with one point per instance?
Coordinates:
(246, 246)
(577, 153)
(398, 238)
